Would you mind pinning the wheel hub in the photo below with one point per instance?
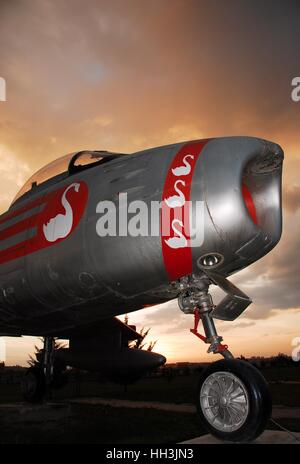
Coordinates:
(224, 401)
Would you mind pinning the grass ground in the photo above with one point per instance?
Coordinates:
(103, 424)
(107, 425)
(179, 390)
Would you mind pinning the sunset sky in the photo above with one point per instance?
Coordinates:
(124, 75)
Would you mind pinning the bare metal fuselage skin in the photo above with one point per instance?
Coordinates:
(48, 287)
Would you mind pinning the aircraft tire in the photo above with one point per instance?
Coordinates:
(233, 400)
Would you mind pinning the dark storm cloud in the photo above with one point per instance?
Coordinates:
(147, 67)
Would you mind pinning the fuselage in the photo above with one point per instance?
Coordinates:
(58, 271)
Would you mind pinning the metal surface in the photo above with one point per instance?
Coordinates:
(224, 401)
(48, 362)
(111, 359)
(233, 304)
(86, 278)
(196, 299)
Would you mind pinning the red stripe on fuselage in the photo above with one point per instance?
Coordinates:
(37, 202)
(178, 260)
(53, 208)
(14, 252)
(18, 227)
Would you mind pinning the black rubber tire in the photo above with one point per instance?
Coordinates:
(260, 402)
(33, 385)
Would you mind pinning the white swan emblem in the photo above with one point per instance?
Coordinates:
(177, 242)
(183, 170)
(61, 225)
(176, 200)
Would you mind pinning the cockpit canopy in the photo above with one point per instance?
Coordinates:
(65, 166)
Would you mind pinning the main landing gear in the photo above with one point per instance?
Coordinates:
(37, 381)
(233, 400)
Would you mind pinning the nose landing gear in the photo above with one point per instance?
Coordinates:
(233, 400)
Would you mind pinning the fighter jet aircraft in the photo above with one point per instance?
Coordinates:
(73, 256)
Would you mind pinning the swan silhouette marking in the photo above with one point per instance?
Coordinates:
(61, 225)
(183, 170)
(177, 242)
(176, 200)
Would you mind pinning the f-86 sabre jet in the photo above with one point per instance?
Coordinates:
(62, 275)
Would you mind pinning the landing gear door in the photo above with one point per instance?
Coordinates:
(233, 304)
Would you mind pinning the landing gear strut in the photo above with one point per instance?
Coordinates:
(198, 301)
(211, 335)
(36, 383)
(48, 365)
(233, 399)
